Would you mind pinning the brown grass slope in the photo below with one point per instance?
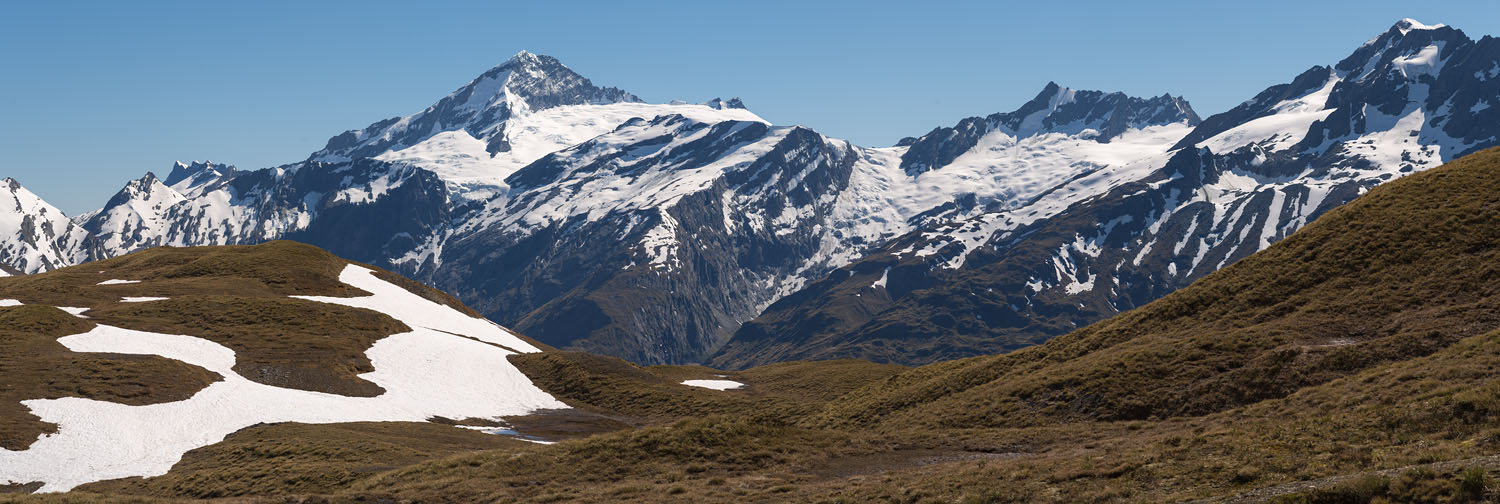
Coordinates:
(1406, 270)
(33, 365)
(654, 394)
(682, 437)
(300, 459)
(233, 295)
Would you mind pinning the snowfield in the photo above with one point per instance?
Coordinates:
(715, 384)
(449, 365)
(472, 172)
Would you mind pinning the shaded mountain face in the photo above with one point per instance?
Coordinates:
(647, 241)
(1410, 99)
(654, 242)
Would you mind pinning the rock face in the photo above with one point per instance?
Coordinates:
(646, 242)
(1410, 99)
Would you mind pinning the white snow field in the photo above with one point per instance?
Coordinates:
(449, 365)
(714, 384)
(473, 173)
(118, 282)
(141, 299)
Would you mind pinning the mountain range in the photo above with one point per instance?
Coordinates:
(1353, 361)
(677, 233)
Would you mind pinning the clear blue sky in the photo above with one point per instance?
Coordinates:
(94, 94)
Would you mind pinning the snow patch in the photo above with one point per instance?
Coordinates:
(714, 384)
(449, 365)
(74, 310)
(883, 276)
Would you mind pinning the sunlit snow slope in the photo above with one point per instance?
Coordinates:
(450, 365)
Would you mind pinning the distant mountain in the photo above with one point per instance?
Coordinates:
(594, 221)
(653, 242)
(509, 116)
(1092, 114)
(1108, 241)
(654, 231)
(34, 236)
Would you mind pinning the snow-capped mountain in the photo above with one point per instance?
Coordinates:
(1089, 114)
(467, 142)
(202, 203)
(594, 221)
(1116, 238)
(655, 241)
(511, 115)
(652, 231)
(34, 236)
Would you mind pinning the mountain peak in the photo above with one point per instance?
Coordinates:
(522, 55)
(1059, 108)
(525, 83)
(1408, 24)
(722, 104)
(1404, 40)
(540, 81)
(148, 179)
(1056, 109)
(196, 173)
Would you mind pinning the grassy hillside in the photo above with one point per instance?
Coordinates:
(1406, 270)
(776, 393)
(35, 366)
(1356, 361)
(235, 296)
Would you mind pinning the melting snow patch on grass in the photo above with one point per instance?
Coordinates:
(450, 365)
(141, 299)
(714, 384)
(118, 282)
